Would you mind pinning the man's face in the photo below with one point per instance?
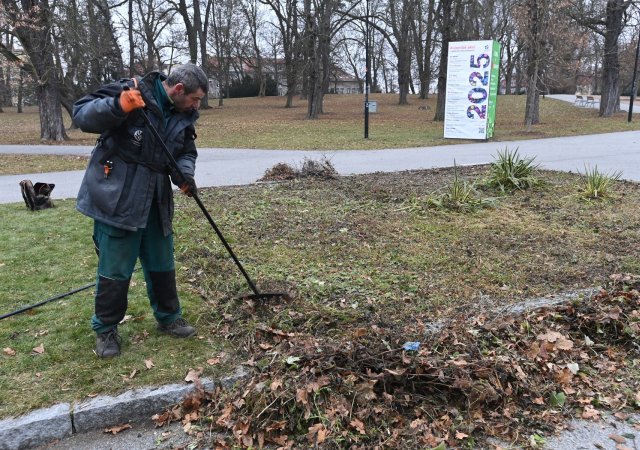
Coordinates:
(185, 102)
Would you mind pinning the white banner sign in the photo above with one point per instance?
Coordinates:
(472, 89)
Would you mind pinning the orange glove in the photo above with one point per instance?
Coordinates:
(131, 100)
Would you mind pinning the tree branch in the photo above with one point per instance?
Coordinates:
(27, 67)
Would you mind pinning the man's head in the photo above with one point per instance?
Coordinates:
(186, 85)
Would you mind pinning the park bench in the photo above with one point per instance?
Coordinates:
(591, 101)
(580, 101)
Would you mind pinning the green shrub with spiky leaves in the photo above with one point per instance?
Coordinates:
(597, 185)
(459, 196)
(510, 172)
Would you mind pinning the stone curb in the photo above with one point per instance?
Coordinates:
(43, 426)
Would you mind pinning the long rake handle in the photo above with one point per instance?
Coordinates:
(51, 299)
(195, 196)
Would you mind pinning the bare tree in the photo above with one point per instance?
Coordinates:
(196, 31)
(609, 23)
(286, 14)
(423, 31)
(152, 19)
(511, 43)
(401, 16)
(222, 18)
(252, 15)
(536, 22)
(6, 69)
(87, 52)
(31, 21)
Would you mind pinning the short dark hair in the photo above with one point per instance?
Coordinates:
(191, 76)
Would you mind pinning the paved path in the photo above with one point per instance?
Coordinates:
(225, 167)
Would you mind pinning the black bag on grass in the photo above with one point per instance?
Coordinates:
(37, 196)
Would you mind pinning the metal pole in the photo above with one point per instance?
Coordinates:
(367, 77)
(634, 83)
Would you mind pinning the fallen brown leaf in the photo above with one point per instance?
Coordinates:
(564, 344)
(193, 375)
(617, 438)
(39, 350)
(280, 440)
(118, 428)
(359, 332)
(317, 434)
(148, 363)
(461, 435)
(9, 351)
(275, 385)
(550, 336)
(358, 425)
(301, 396)
(590, 413)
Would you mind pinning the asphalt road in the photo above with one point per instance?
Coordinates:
(226, 167)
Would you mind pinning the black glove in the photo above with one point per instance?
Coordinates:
(189, 186)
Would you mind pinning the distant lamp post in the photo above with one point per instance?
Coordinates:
(634, 83)
(367, 78)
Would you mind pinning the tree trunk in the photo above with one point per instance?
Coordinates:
(610, 99)
(3, 89)
(201, 31)
(20, 91)
(446, 32)
(536, 35)
(313, 81)
(190, 29)
(401, 14)
(286, 12)
(51, 124)
(308, 44)
(32, 25)
(291, 70)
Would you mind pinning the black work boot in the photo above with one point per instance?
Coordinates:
(180, 328)
(108, 344)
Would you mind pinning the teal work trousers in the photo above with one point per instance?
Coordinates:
(118, 251)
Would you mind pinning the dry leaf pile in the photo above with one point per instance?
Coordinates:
(311, 168)
(506, 377)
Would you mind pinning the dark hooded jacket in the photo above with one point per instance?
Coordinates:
(140, 169)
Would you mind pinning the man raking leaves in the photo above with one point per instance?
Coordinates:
(127, 191)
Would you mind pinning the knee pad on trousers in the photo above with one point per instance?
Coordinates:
(163, 290)
(111, 300)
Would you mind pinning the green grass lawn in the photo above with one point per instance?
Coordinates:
(356, 252)
(265, 123)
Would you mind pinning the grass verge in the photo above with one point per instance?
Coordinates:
(15, 164)
(350, 249)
